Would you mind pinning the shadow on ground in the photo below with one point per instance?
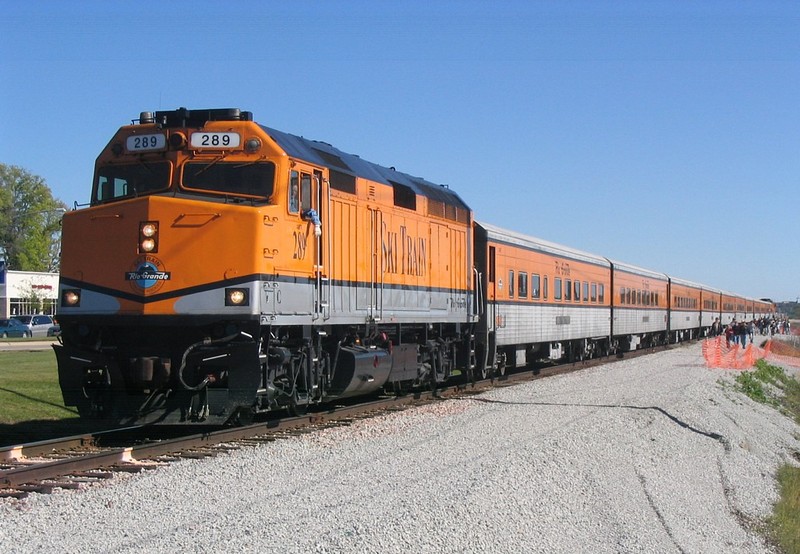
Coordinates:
(39, 430)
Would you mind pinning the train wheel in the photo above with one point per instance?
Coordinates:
(500, 370)
(298, 407)
(244, 416)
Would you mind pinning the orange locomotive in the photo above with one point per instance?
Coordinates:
(224, 268)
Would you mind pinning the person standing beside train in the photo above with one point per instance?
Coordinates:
(729, 334)
(741, 332)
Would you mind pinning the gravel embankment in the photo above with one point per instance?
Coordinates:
(648, 455)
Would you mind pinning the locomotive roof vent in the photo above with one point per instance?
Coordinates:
(194, 118)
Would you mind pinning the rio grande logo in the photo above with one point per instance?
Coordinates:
(147, 274)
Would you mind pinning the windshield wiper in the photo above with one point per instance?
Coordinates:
(215, 160)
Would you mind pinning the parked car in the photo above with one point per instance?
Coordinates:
(54, 330)
(38, 325)
(13, 328)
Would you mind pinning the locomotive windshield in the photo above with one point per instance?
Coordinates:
(251, 179)
(119, 181)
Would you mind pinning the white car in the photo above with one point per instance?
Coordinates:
(38, 325)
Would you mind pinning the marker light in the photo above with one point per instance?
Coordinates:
(148, 237)
(71, 298)
(236, 297)
(251, 146)
(177, 141)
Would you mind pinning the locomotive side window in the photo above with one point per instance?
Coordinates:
(511, 283)
(535, 279)
(115, 182)
(594, 292)
(294, 192)
(522, 282)
(544, 288)
(568, 289)
(254, 180)
(305, 192)
(577, 291)
(586, 291)
(557, 288)
(601, 292)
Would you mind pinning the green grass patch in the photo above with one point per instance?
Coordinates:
(771, 385)
(785, 521)
(29, 388)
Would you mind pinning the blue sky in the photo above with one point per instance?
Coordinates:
(662, 134)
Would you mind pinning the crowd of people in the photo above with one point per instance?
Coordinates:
(737, 332)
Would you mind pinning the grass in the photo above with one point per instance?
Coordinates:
(771, 385)
(29, 388)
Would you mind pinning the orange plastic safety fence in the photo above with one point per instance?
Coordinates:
(719, 353)
(730, 355)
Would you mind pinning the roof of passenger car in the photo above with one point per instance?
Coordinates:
(534, 243)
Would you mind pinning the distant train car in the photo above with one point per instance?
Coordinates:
(711, 306)
(763, 308)
(686, 304)
(641, 307)
(731, 305)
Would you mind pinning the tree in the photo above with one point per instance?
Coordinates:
(30, 221)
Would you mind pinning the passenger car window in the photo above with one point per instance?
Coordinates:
(535, 286)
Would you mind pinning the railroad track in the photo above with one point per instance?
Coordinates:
(73, 462)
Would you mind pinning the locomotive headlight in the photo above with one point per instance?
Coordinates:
(237, 297)
(148, 237)
(71, 298)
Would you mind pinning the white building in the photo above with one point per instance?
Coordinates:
(27, 292)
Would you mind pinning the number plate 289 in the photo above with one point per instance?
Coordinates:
(215, 140)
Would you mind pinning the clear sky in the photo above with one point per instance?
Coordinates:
(665, 134)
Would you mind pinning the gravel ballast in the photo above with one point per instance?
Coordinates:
(657, 454)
